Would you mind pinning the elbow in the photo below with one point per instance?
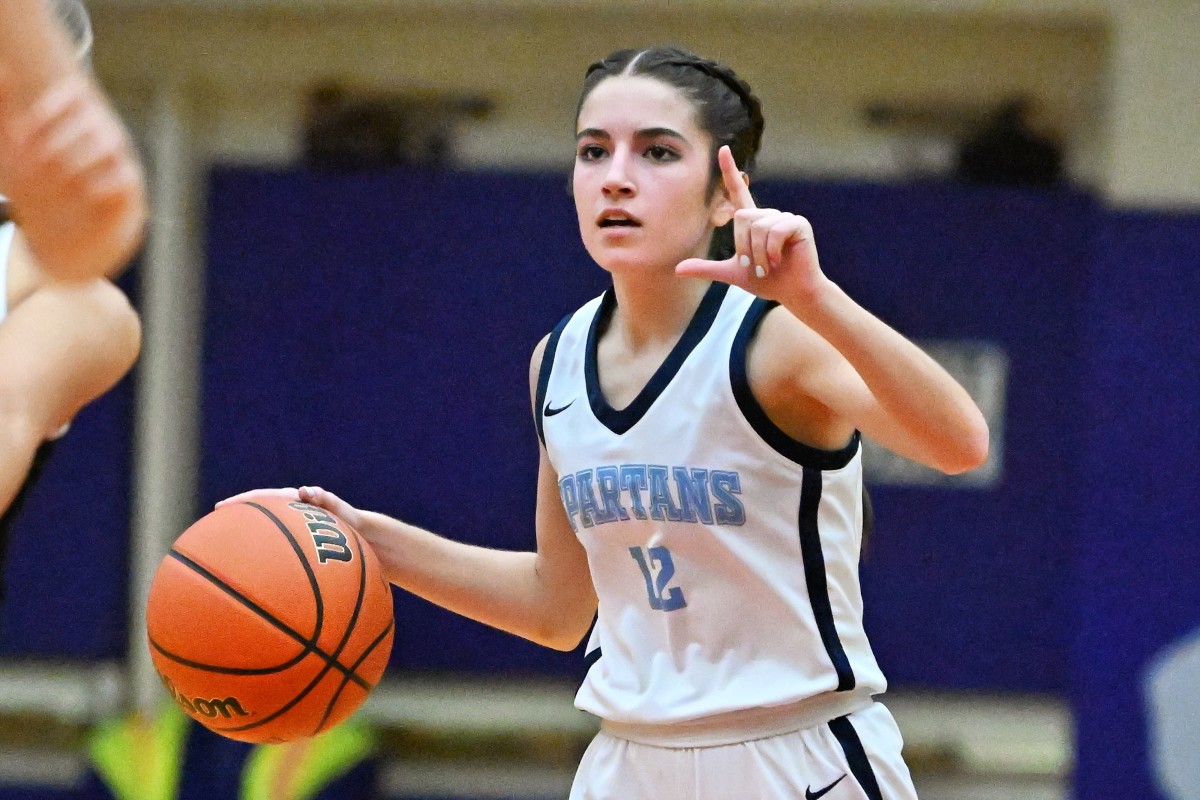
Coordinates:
(971, 450)
(563, 637)
(564, 631)
(564, 644)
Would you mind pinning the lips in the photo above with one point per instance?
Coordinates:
(613, 218)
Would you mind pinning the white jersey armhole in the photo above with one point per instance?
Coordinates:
(7, 231)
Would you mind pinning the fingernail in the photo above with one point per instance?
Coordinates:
(759, 271)
(745, 261)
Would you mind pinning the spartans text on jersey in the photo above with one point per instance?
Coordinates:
(650, 491)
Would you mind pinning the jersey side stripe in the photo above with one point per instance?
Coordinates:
(815, 578)
(856, 756)
(544, 374)
(591, 658)
(783, 444)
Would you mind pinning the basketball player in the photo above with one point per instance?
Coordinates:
(67, 334)
(700, 488)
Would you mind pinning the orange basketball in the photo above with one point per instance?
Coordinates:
(270, 620)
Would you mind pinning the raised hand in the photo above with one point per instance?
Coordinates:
(313, 495)
(776, 257)
(76, 185)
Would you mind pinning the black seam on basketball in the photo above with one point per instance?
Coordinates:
(354, 668)
(362, 590)
(308, 570)
(363, 656)
(300, 696)
(347, 674)
(362, 548)
(353, 622)
(178, 659)
(309, 646)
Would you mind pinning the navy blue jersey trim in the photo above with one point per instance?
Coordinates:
(14, 508)
(621, 421)
(815, 578)
(856, 756)
(803, 454)
(544, 368)
(591, 658)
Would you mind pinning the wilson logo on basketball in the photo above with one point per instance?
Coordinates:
(328, 538)
(212, 709)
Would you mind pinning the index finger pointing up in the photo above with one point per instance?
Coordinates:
(735, 183)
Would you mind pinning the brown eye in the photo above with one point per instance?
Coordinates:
(660, 152)
(591, 152)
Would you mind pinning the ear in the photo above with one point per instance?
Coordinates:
(723, 206)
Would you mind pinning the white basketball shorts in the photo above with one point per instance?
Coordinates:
(855, 757)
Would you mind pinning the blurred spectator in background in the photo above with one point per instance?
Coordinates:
(346, 132)
(349, 129)
(1007, 151)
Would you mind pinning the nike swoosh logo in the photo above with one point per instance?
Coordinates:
(809, 794)
(550, 412)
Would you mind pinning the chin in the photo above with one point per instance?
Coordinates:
(632, 261)
(630, 264)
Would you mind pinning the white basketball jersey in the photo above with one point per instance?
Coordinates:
(7, 229)
(724, 553)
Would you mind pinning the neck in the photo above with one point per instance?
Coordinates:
(653, 310)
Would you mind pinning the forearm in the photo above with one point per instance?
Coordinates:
(499, 588)
(919, 397)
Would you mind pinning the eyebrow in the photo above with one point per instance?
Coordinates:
(644, 133)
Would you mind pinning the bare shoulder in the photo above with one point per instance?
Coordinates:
(792, 372)
(784, 351)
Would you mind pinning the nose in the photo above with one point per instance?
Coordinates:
(617, 180)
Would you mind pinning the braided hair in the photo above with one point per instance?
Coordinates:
(726, 107)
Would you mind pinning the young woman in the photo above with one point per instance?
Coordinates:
(700, 489)
(67, 334)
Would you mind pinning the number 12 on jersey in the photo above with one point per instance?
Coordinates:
(662, 597)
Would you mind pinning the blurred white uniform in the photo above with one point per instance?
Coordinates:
(725, 559)
(7, 231)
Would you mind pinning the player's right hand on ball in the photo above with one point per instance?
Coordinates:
(313, 495)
